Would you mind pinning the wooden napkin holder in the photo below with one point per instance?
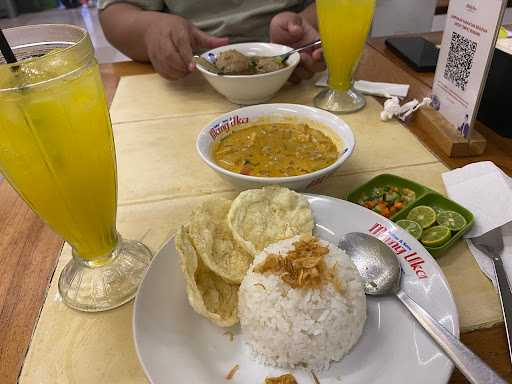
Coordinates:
(445, 135)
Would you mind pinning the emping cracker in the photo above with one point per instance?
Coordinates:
(214, 242)
(259, 217)
(208, 294)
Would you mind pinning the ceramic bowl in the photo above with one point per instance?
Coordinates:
(251, 89)
(337, 129)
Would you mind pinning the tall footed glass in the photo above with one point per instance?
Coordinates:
(57, 151)
(344, 26)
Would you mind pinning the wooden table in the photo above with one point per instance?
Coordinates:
(29, 249)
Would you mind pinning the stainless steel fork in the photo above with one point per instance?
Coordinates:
(491, 243)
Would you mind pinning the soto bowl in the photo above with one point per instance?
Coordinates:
(330, 125)
(250, 89)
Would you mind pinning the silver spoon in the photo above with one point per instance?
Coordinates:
(283, 57)
(380, 270)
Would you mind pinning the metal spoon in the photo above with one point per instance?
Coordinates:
(380, 270)
(283, 57)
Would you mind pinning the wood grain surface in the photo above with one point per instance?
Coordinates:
(28, 256)
(491, 345)
(29, 249)
(442, 7)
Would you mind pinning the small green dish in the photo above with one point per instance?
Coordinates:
(424, 196)
(388, 179)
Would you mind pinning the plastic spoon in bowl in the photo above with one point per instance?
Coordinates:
(381, 271)
(210, 67)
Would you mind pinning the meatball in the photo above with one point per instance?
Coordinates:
(233, 63)
(268, 64)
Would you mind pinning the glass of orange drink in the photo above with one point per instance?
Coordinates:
(344, 26)
(57, 151)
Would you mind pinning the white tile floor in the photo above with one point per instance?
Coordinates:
(83, 16)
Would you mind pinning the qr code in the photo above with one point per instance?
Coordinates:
(460, 60)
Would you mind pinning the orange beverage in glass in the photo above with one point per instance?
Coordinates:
(344, 26)
(57, 151)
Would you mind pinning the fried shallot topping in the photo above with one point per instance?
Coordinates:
(303, 266)
(284, 379)
(232, 372)
(230, 334)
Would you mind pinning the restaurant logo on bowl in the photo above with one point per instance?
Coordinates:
(226, 125)
(400, 248)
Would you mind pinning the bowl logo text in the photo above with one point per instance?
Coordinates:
(400, 248)
(226, 125)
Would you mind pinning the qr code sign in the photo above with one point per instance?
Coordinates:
(460, 60)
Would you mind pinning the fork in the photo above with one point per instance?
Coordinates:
(491, 243)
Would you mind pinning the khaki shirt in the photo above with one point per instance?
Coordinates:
(240, 20)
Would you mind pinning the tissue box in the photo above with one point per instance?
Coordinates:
(496, 104)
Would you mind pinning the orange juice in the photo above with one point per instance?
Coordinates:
(344, 26)
(57, 151)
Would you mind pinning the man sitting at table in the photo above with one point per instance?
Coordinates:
(168, 32)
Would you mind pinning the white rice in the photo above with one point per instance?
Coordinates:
(289, 327)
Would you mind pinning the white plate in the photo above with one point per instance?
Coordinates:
(175, 345)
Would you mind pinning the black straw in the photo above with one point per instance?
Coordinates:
(6, 49)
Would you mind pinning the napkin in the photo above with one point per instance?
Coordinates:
(486, 191)
(373, 88)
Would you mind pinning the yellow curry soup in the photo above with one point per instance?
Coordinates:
(275, 150)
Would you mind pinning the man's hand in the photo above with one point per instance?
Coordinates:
(170, 41)
(294, 30)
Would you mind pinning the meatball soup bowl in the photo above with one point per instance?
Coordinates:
(250, 89)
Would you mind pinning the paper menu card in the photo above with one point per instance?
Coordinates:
(466, 52)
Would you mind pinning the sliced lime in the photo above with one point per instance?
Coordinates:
(436, 236)
(453, 220)
(411, 226)
(423, 215)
